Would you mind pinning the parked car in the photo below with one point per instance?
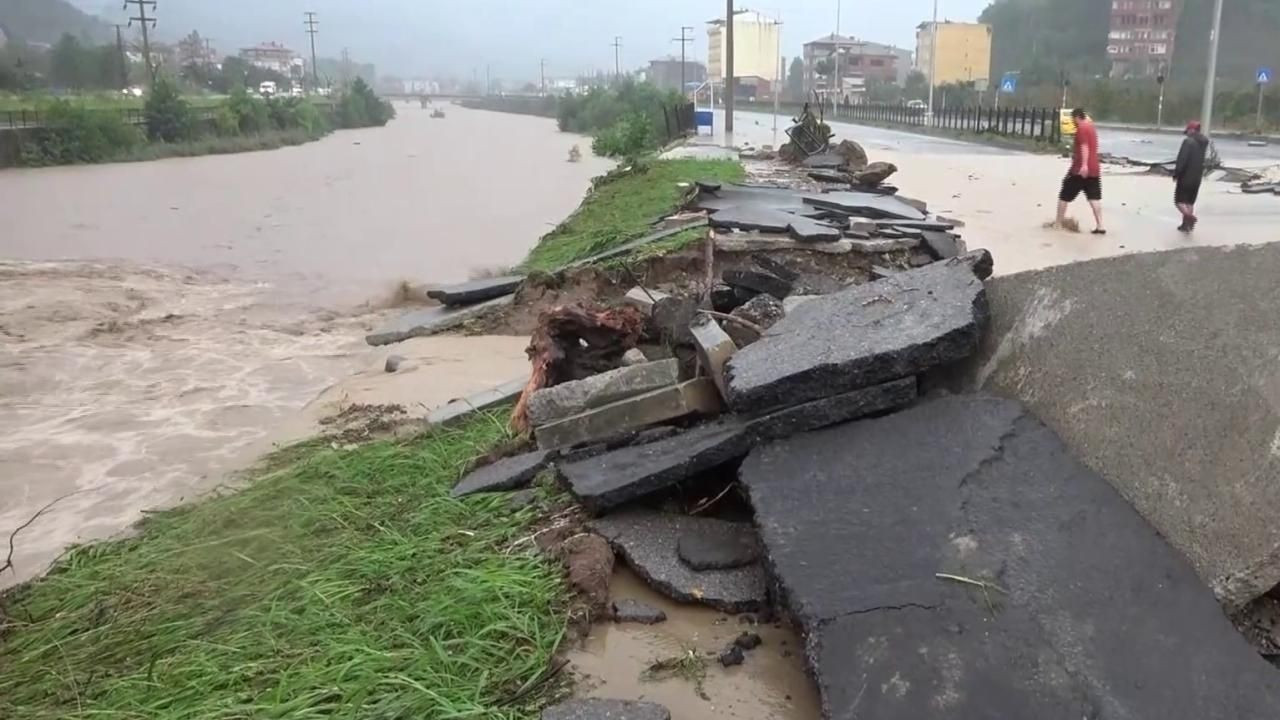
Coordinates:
(297, 91)
(267, 88)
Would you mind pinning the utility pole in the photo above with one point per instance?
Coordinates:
(124, 60)
(542, 69)
(346, 67)
(617, 58)
(208, 50)
(488, 83)
(835, 107)
(147, 23)
(933, 64)
(311, 23)
(1206, 108)
(684, 41)
(728, 73)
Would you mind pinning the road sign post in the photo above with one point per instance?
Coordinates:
(1264, 78)
(1008, 84)
(1160, 105)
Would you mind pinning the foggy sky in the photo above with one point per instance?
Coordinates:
(434, 37)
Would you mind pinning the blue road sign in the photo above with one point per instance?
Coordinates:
(1009, 83)
(1264, 75)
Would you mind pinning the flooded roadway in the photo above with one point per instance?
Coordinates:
(162, 324)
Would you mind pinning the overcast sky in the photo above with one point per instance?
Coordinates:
(430, 37)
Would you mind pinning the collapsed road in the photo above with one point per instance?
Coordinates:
(770, 433)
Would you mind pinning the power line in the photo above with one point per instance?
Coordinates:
(311, 23)
(617, 58)
(146, 23)
(684, 41)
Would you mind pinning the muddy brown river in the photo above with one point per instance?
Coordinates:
(162, 324)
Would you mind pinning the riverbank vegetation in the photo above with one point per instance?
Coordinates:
(72, 133)
(623, 206)
(341, 581)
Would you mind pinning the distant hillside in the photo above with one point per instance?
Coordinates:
(44, 21)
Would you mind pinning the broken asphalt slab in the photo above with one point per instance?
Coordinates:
(987, 575)
(718, 546)
(607, 480)
(510, 473)
(859, 337)
(576, 396)
(429, 321)
(647, 541)
(475, 291)
(1160, 370)
(605, 709)
(758, 282)
(865, 204)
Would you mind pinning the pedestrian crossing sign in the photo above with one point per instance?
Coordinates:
(1264, 76)
(1009, 83)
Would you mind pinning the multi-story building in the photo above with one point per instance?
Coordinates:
(964, 51)
(853, 61)
(666, 72)
(1140, 42)
(756, 52)
(272, 56)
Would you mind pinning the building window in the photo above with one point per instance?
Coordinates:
(877, 62)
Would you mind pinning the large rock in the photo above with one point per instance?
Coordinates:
(854, 157)
(875, 173)
(570, 398)
(510, 473)
(476, 291)
(647, 540)
(604, 709)
(1161, 371)
(953, 560)
(611, 479)
(698, 396)
(863, 336)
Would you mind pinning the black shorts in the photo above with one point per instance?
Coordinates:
(1185, 193)
(1073, 185)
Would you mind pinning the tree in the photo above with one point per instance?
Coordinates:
(72, 65)
(191, 50)
(917, 86)
(795, 81)
(168, 116)
(825, 67)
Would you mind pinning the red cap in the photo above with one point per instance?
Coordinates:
(1193, 126)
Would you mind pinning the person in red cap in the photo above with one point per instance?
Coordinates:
(1085, 175)
(1187, 174)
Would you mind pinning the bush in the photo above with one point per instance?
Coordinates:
(168, 116)
(628, 137)
(225, 123)
(360, 107)
(291, 113)
(74, 134)
(251, 113)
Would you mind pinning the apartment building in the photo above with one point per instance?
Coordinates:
(1140, 41)
(964, 51)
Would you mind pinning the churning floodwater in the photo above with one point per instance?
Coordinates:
(163, 323)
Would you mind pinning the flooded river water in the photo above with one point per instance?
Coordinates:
(163, 323)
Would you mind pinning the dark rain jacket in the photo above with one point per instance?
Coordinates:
(1190, 167)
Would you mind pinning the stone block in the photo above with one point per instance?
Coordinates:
(715, 347)
(884, 244)
(756, 243)
(695, 397)
(510, 473)
(576, 396)
(634, 611)
(643, 298)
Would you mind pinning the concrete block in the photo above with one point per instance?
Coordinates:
(455, 409)
(698, 396)
(884, 244)
(576, 396)
(421, 323)
(715, 347)
(643, 298)
(476, 291)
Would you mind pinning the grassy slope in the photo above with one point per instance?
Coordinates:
(342, 583)
(624, 209)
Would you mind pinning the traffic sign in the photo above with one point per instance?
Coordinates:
(1264, 75)
(1009, 83)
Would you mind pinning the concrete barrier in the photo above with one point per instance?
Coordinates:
(1162, 372)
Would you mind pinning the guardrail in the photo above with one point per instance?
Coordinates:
(30, 119)
(1026, 122)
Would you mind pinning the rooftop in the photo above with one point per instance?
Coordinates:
(865, 46)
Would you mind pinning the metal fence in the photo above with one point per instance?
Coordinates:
(1026, 122)
(20, 119)
(678, 120)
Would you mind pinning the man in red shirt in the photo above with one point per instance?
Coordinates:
(1085, 174)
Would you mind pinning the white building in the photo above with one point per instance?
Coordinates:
(272, 56)
(756, 49)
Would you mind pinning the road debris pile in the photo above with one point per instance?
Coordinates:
(1265, 181)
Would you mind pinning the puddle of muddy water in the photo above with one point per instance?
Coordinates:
(770, 685)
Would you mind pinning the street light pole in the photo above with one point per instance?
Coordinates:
(933, 63)
(728, 73)
(1206, 107)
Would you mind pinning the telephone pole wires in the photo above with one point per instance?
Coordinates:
(146, 23)
(684, 41)
(311, 23)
